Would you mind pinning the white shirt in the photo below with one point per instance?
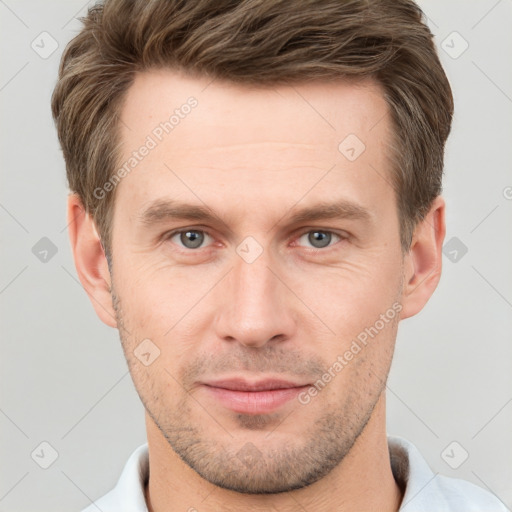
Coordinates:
(425, 491)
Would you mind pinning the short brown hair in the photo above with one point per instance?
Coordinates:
(265, 42)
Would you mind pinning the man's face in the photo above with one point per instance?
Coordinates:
(255, 292)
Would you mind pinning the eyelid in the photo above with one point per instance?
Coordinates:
(340, 232)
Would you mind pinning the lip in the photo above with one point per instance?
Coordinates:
(239, 384)
(260, 397)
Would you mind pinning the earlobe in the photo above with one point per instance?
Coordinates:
(423, 263)
(90, 260)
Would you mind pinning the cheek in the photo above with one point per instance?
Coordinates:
(350, 298)
(155, 296)
(164, 305)
(362, 356)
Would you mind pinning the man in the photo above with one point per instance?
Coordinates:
(255, 206)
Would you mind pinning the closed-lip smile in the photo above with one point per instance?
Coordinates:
(253, 397)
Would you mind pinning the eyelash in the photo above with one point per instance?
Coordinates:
(342, 237)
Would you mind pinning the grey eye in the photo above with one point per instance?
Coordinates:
(191, 239)
(319, 239)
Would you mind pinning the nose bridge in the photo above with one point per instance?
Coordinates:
(253, 284)
(253, 309)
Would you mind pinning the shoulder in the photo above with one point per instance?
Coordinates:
(466, 496)
(426, 491)
(128, 494)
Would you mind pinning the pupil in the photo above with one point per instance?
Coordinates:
(192, 239)
(319, 239)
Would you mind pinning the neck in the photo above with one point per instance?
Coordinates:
(362, 481)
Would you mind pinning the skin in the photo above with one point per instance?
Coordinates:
(254, 156)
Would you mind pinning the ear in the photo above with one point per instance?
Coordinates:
(423, 262)
(90, 260)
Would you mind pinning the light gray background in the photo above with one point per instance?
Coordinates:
(64, 379)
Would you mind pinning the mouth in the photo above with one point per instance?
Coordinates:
(260, 397)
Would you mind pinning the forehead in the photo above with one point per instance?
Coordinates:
(210, 139)
(323, 107)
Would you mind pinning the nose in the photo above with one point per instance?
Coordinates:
(254, 305)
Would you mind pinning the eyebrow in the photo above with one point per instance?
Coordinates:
(166, 209)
